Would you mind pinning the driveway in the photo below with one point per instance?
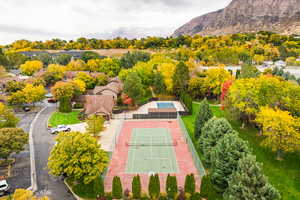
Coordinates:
(47, 184)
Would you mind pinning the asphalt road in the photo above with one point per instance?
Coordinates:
(48, 185)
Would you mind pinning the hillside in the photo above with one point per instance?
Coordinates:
(281, 16)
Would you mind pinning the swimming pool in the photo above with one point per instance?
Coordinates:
(165, 105)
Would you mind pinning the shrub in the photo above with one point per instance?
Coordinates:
(78, 106)
(117, 190)
(189, 184)
(203, 116)
(206, 190)
(181, 195)
(99, 187)
(187, 100)
(154, 186)
(171, 186)
(136, 187)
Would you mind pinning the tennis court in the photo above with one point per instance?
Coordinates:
(151, 150)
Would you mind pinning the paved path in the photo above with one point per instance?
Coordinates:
(43, 143)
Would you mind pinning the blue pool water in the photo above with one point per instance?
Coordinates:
(165, 105)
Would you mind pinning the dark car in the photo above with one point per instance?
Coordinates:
(26, 109)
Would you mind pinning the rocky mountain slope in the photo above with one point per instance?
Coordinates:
(281, 16)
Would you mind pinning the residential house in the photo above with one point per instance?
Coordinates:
(113, 88)
(99, 105)
(280, 64)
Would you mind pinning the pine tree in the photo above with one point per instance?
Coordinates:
(189, 184)
(180, 78)
(248, 182)
(136, 187)
(117, 190)
(225, 156)
(99, 187)
(212, 131)
(171, 186)
(203, 116)
(159, 84)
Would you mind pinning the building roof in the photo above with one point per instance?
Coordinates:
(99, 104)
(114, 85)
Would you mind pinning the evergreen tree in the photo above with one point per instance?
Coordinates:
(225, 156)
(171, 186)
(159, 84)
(117, 190)
(212, 131)
(99, 187)
(203, 116)
(154, 186)
(189, 184)
(136, 187)
(180, 78)
(249, 183)
(206, 190)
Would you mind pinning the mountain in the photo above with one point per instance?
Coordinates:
(281, 16)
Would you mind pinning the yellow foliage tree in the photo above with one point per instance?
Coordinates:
(30, 67)
(281, 130)
(167, 70)
(22, 194)
(76, 65)
(215, 78)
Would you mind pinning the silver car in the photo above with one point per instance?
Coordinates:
(60, 128)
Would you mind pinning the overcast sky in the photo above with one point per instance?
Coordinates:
(70, 19)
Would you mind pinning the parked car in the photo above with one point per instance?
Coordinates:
(52, 100)
(26, 108)
(4, 187)
(60, 128)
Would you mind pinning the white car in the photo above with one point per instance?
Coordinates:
(4, 187)
(60, 128)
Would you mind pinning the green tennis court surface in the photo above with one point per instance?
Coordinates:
(151, 150)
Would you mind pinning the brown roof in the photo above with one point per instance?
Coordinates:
(115, 87)
(99, 104)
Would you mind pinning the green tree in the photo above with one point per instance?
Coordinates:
(154, 186)
(63, 59)
(212, 131)
(88, 55)
(45, 58)
(171, 186)
(101, 79)
(77, 155)
(189, 184)
(99, 187)
(159, 83)
(133, 87)
(12, 140)
(203, 116)
(63, 92)
(95, 124)
(249, 71)
(180, 78)
(117, 191)
(129, 59)
(225, 157)
(7, 117)
(136, 187)
(248, 182)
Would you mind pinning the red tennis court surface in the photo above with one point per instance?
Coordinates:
(119, 158)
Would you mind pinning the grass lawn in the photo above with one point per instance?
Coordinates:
(284, 175)
(59, 118)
